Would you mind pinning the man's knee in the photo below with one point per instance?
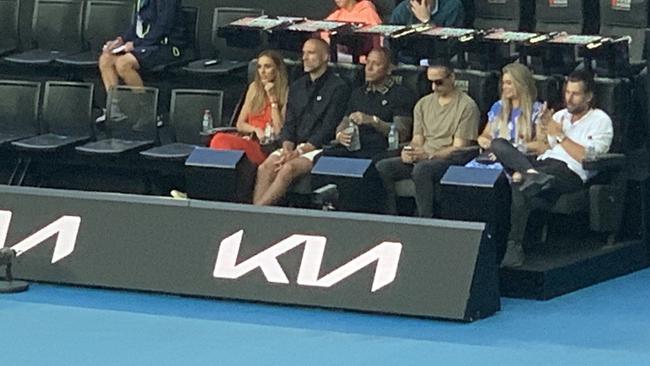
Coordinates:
(430, 170)
(294, 169)
(106, 61)
(267, 166)
(386, 168)
(124, 65)
(287, 172)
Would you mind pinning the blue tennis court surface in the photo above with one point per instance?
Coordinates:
(607, 324)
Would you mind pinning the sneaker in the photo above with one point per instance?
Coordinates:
(514, 256)
(178, 194)
(534, 183)
(116, 115)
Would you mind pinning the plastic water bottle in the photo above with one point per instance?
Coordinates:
(353, 130)
(393, 138)
(268, 134)
(207, 122)
(590, 150)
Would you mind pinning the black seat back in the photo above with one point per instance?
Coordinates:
(9, 20)
(19, 102)
(482, 86)
(57, 25)
(614, 96)
(549, 89)
(384, 8)
(191, 25)
(414, 78)
(294, 69)
(104, 20)
(510, 15)
(351, 73)
(187, 109)
(67, 108)
(139, 117)
(223, 16)
(566, 16)
(623, 18)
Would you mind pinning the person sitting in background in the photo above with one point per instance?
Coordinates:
(538, 184)
(441, 13)
(444, 123)
(514, 118)
(156, 37)
(354, 11)
(314, 108)
(374, 108)
(263, 111)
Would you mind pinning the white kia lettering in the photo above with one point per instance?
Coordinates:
(386, 255)
(66, 229)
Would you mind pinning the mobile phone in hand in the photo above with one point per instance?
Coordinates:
(118, 50)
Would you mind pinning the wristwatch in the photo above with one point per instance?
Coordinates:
(375, 120)
(559, 138)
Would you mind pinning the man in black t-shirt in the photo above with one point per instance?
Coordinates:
(374, 107)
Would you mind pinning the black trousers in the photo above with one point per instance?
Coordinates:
(425, 174)
(566, 181)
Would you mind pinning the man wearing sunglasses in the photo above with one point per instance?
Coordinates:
(444, 123)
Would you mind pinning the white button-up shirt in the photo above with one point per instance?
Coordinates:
(595, 124)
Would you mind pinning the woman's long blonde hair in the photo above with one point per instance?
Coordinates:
(281, 82)
(524, 84)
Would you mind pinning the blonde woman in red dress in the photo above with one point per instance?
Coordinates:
(265, 104)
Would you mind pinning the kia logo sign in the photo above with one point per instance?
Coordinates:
(65, 228)
(386, 254)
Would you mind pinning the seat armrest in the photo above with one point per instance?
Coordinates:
(602, 162)
(214, 131)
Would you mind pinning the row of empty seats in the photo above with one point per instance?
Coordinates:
(61, 123)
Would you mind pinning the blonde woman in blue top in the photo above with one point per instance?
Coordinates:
(514, 118)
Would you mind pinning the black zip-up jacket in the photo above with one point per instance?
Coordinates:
(165, 21)
(314, 109)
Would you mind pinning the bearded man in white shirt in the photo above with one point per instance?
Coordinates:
(538, 184)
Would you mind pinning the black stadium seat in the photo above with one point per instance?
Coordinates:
(549, 89)
(185, 121)
(563, 16)
(413, 77)
(19, 101)
(512, 15)
(65, 122)
(482, 86)
(224, 59)
(65, 118)
(131, 126)
(56, 31)
(104, 20)
(621, 18)
(9, 23)
(384, 8)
